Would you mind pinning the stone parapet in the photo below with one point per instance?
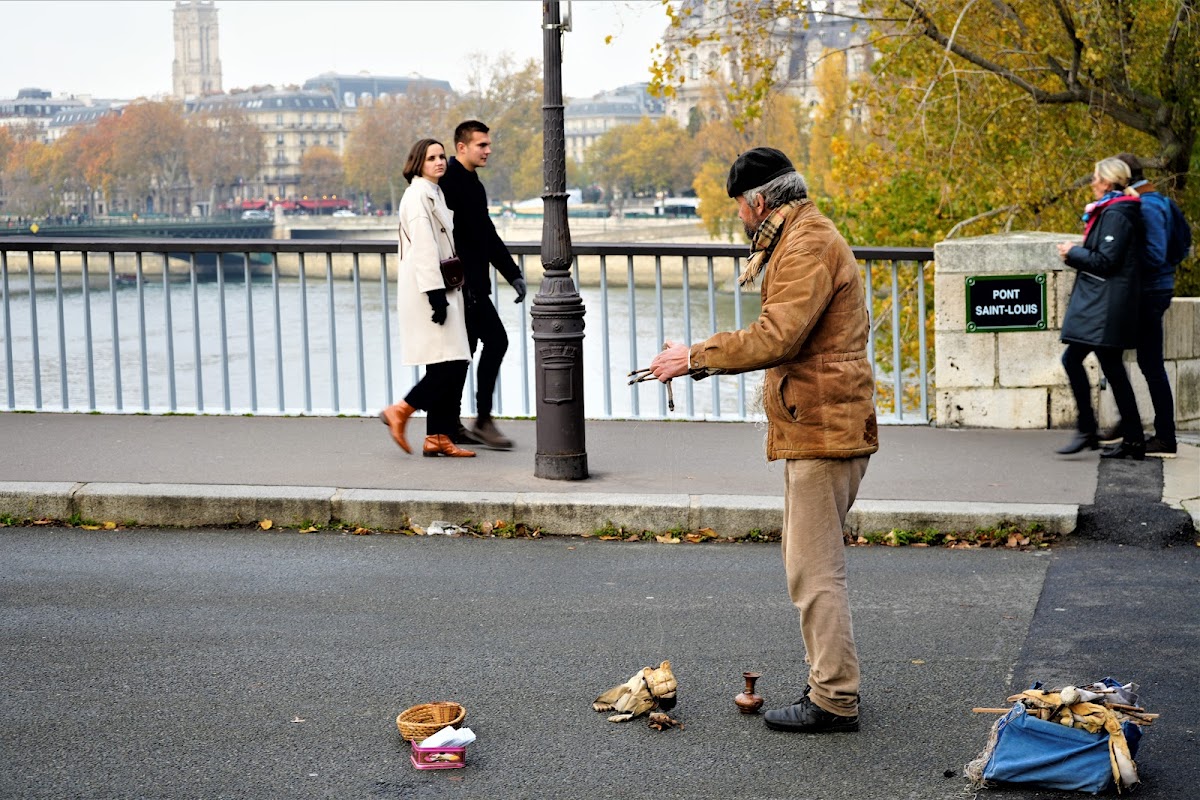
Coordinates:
(1015, 379)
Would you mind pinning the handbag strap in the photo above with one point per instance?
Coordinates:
(433, 213)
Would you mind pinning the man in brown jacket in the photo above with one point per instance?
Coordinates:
(818, 395)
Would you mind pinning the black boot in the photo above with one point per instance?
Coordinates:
(1134, 450)
(1079, 442)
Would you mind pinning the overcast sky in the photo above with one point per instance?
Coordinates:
(125, 49)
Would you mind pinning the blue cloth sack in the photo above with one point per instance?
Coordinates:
(1053, 756)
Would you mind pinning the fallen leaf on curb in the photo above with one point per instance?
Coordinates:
(43, 522)
(486, 528)
(90, 527)
(308, 530)
(266, 524)
(110, 526)
(617, 538)
(360, 531)
(666, 539)
(417, 529)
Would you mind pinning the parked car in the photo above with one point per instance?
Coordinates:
(344, 212)
(256, 214)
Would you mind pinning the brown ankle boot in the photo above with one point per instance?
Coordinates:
(487, 434)
(440, 445)
(396, 417)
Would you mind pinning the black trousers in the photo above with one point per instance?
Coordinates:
(1154, 305)
(439, 395)
(484, 325)
(1114, 370)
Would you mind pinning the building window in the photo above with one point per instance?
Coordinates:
(279, 119)
(279, 138)
(693, 72)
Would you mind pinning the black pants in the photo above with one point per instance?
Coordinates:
(484, 325)
(1154, 305)
(1114, 370)
(439, 394)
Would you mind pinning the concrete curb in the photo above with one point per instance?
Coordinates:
(572, 513)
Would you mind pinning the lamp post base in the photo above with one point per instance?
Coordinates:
(571, 467)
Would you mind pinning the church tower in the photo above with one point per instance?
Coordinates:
(197, 67)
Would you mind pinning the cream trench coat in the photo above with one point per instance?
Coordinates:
(426, 238)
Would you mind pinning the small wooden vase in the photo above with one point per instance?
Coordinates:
(748, 702)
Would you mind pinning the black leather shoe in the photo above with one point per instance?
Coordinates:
(463, 436)
(1081, 441)
(804, 716)
(1134, 450)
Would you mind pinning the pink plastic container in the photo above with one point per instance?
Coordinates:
(438, 757)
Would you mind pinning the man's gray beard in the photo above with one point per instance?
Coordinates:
(750, 231)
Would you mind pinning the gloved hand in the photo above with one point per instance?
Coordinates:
(439, 304)
(519, 285)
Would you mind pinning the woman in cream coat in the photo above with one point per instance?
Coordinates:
(433, 327)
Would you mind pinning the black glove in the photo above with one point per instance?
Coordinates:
(439, 304)
(519, 285)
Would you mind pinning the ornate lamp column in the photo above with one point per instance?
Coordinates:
(557, 310)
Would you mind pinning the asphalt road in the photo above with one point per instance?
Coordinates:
(214, 663)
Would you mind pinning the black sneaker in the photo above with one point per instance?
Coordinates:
(1159, 449)
(804, 716)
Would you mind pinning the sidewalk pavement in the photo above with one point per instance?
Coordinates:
(643, 475)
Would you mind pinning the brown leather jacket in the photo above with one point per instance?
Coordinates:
(811, 338)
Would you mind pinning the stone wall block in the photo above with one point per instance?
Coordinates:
(950, 308)
(966, 359)
(1187, 394)
(1011, 409)
(1181, 329)
(1030, 358)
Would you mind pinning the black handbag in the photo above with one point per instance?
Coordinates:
(453, 274)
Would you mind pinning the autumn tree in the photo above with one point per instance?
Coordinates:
(30, 173)
(95, 158)
(150, 153)
(223, 147)
(782, 122)
(989, 115)
(384, 133)
(646, 157)
(508, 99)
(321, 172)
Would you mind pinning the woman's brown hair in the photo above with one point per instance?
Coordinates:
(416, 157)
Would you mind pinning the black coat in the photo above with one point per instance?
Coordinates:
(475, 236)
(1102, 311)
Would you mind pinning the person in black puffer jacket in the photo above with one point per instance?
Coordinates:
(1101, 314)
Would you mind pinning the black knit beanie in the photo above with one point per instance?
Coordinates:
(755, 167)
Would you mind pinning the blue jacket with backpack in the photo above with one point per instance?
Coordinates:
(1168, 238)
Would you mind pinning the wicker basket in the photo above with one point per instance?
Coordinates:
(420, 722)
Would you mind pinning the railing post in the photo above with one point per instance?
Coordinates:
(557, 310)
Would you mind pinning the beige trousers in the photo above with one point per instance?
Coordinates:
(819, 493)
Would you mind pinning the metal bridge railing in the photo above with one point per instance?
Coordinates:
(309, 327)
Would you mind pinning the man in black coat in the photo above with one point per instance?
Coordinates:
(478, 245)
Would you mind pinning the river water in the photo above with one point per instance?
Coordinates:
(273, 349)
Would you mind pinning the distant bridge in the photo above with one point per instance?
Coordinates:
(206, 228)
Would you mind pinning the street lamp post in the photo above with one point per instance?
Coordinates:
(557, 310)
